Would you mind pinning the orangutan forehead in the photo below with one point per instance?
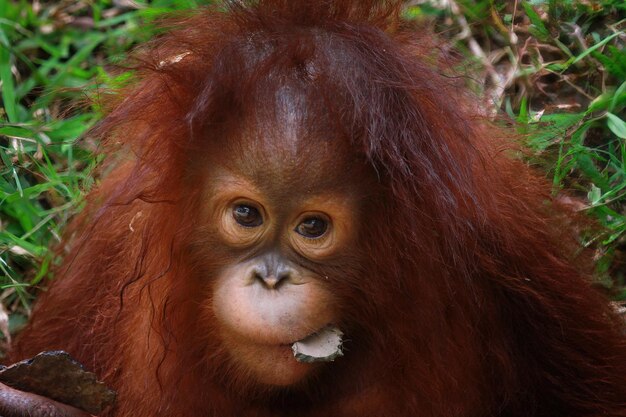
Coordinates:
(289, 159)
(287, 142)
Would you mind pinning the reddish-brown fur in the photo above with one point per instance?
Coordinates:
(468, 298)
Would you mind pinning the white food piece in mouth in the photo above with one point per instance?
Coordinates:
(322, 346)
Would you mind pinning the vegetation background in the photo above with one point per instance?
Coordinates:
(553, 69)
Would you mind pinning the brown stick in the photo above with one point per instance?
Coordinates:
(15, 403)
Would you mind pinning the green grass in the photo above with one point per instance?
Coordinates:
(556, 67)
(50, 57)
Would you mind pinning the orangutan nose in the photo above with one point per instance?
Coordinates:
(272, 272)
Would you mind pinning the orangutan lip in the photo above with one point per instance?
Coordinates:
(309, 335)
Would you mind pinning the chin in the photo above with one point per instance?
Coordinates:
(272, 366)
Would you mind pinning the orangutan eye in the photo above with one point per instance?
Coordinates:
(312, 227)
(247, 216)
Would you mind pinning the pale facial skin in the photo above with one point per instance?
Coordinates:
(267, 302)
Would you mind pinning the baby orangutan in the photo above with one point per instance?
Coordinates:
(283, 172)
